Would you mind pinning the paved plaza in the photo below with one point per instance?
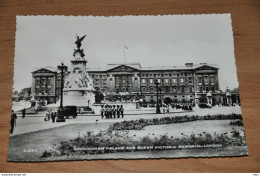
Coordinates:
(36, 122)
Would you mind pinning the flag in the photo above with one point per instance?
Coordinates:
(126, 47)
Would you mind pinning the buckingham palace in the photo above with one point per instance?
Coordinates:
(180, 84)
(131, 81)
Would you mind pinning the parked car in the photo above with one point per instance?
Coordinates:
(205, 105)
(70, 111)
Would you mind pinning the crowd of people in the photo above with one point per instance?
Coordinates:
(50, 116)
(185, 106)
(112, 111)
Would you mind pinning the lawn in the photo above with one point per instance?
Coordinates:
(30, 146)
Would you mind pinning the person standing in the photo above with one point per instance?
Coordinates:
(102, 111)
(53, 116)
(13, 122)
(48, 116)
(106, 111)
(110, 112)
(118, 111)
(36, 107)
(168, 109)
(122, 111)
(114, 111)
(23, 112)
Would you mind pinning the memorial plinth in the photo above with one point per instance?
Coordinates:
(78, 88)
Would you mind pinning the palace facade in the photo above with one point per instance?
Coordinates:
(131, 81)
(177, 83)
(46, 84)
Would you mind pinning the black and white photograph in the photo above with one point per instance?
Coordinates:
(125, 87)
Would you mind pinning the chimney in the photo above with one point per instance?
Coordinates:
(189, 64)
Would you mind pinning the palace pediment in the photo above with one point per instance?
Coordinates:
(206, 67)
(123, 68)
(43, 70)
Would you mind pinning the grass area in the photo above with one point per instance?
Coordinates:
(30, 146)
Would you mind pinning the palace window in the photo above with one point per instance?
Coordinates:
(200, 79)
(206, 79)
(43, 82)
(190, 80)
(159, 80)
(166, 81)
(117, 81)
(182, 89)
(167, 89)
(151, 81)
(182, 80)
(174, 80)
(143, 81)
(50, 90)
(37, 83)
(143, 89)
(212, 80)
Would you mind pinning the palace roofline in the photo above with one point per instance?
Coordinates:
(187, 66)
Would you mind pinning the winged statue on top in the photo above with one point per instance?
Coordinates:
(78, 43)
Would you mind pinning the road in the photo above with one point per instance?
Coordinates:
(36, 122)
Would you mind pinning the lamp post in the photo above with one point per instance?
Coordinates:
(158, 111)
(61, 118)
(160, 90)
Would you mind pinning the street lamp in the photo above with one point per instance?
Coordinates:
(60, 117)
(158, 111)
(160, 90)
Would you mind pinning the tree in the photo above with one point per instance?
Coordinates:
(98, 97)
(26, 90)
(235, 90)
(167, 100)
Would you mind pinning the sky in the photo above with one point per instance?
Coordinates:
(171, 40)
